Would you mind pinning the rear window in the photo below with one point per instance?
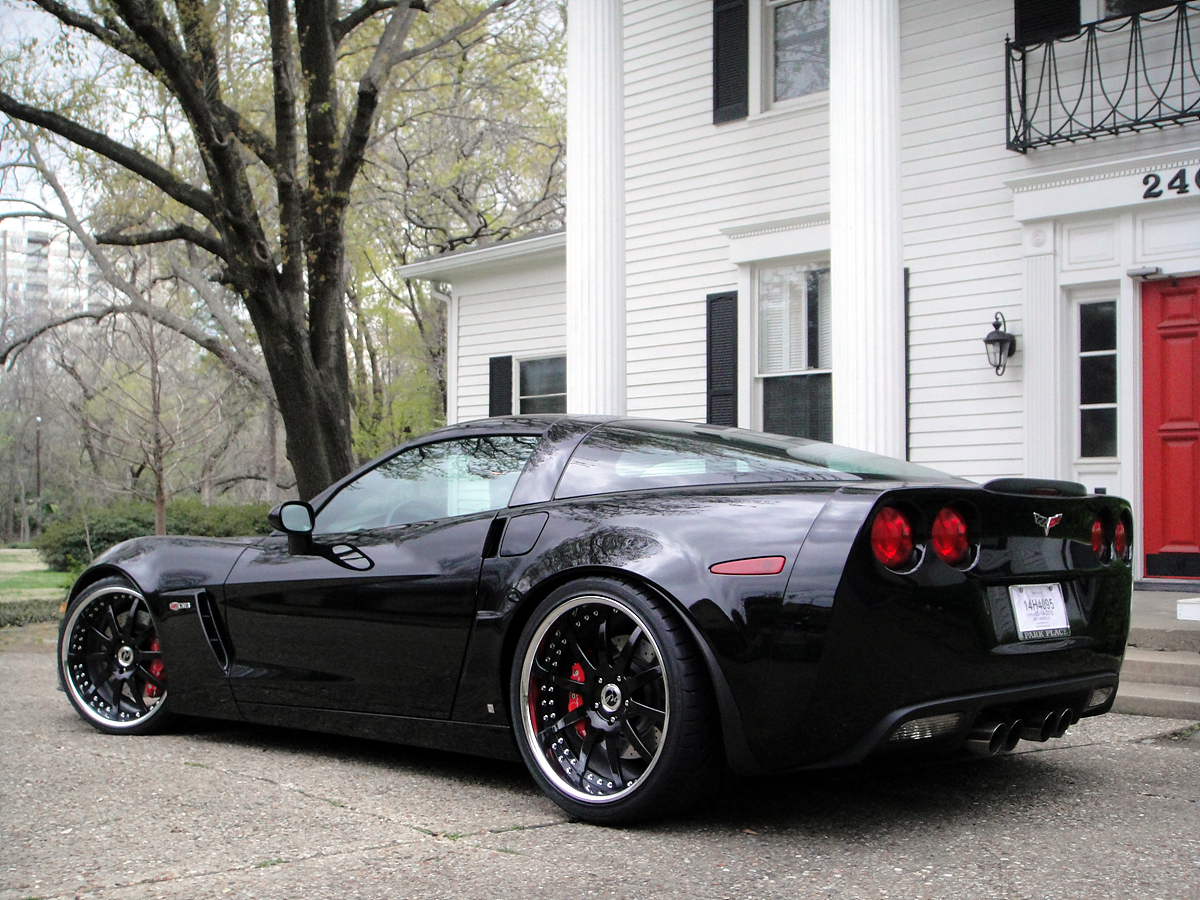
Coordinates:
(629, 457)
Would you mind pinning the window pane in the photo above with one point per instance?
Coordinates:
(799, 405)
(1097, 327)
(1129, 7)
(544, 376)
(451, 478)
(551, 403)
(1098, 379)
(793, 319)
(801, 48)
(1098, 432)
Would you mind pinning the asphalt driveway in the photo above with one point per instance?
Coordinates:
(226, 810)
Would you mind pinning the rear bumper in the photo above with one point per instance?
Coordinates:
(998, 704)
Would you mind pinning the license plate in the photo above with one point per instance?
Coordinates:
(1040, 611)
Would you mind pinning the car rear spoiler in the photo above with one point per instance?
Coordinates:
(1036, 487)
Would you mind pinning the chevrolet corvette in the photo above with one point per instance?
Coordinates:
(631, 607)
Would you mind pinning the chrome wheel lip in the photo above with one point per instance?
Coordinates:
(64, 651)
(527, 725)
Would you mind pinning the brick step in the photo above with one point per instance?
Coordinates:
(1170, 701)
(1180, 667)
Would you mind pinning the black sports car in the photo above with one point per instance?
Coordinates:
(629, 605)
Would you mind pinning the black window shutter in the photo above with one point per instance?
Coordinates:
(722, 358)
(731, 60)
(500, 386)
(1044, 20)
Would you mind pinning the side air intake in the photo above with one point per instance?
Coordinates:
(210, 621)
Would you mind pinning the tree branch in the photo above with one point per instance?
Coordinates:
(170, 184)
(137, 304)
(356, 17)
(206, 240)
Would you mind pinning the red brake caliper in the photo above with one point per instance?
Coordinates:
(155, 668)
(574, 701)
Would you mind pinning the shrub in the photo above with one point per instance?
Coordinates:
(64, 544)
(27, 612)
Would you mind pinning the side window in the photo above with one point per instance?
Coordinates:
(1098, 379)
(432, 481)
(543, 385)
(795, 351)
(800, 46)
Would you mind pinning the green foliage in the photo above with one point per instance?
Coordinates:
(65, 544)
(27, 612)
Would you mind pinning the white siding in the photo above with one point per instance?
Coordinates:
(518, 311)
(688, 178)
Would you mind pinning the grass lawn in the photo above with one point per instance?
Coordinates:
(29, 592)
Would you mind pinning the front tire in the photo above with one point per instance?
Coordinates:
(612, 709)
(110, 660)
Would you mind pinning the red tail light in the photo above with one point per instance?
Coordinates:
(949, 536)
(892, 538)
(1121, 540)
(1098, 537)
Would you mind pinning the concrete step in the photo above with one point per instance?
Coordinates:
(1185, 637)
(1170, 701)
(1179, 667)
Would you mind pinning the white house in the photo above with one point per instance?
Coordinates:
(804, 215)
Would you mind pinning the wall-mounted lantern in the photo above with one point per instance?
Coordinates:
(1000, 344)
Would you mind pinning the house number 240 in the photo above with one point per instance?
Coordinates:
(1178, 183)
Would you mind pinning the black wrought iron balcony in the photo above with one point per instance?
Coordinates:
(1124, 73)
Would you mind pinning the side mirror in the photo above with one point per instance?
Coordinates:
(296, 518)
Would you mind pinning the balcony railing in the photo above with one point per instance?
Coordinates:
(1126, 73)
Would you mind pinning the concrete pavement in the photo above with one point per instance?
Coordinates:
(225, 810)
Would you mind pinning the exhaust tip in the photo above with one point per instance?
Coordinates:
(989, 738)
(1015, 728)
(1041, 726)
(1066, 718)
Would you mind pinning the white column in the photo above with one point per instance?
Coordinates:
(595, 209)
(866, 246)
(1039, 348)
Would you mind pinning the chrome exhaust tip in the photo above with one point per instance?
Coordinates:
(1041, 726)
(988, 738)
(1015, 728)
(1066, 718)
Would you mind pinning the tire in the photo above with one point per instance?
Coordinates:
(605, 671)
(111, 662)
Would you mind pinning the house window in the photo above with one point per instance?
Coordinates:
(800, 45)
(794, 351)
(1098, 379)
(542, 385)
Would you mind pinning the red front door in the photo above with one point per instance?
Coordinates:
(1171, 427)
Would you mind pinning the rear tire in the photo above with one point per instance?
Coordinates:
(612, 708)
(110, 660)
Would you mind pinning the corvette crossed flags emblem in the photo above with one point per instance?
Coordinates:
(1047, 522)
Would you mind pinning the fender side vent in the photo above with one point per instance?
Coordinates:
(210, 621)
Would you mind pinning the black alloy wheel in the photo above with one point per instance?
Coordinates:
(611, 704)
(111, 661)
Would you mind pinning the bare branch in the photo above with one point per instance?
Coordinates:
(205, 240)
(169, 183)
(356, 17)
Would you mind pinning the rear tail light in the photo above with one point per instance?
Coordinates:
(892, 538)
(949, 537)
(1121, 540)
(1098, 537)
